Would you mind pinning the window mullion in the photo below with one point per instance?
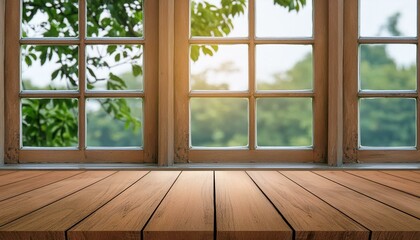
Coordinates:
(82, 75)
(166, 83)
(418, 77)
(251, 77)
(2, 90)
(12, 100)
(335, 83)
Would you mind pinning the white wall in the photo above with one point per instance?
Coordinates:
(2, 18)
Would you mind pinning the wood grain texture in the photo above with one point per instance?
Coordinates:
(400, 200)
(310, 217)
(335, 82)
(166, 83)
(19, 176)
(2, 85)
(409, 175)
(243, 212)
(12, 85)
(2, 172)
(390, 181)
(52, 221)
(33, 200)
(187, 212)
(384, 222)
(17, 188)
(130, 211)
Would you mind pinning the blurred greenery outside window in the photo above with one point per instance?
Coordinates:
(120, 68)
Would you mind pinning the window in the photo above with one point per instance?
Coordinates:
(381, 76)
(251, 81)
(83, 88)
(249, 88)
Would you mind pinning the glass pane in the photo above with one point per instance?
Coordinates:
(284, 67)
(388, 67)
(219, 67)
(219, 122)
(219, 18)
(114, 18)
(284, 122)
(116, 122)
(49, 67)
(114, 67)
(49, 122)
(283, 18)
(388, 122)
(50, 18)
(386, 18)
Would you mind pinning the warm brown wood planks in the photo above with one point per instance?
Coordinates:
(125, 216)
(384, 222)
(391, 181)
(52, 221)
(3, 172)
(310, 217)
(19, 176)
(243, 212)
(400, 200)
(405, 174)
(21, 205)
(187, 212)
(16, 188)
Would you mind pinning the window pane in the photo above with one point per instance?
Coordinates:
(219, 67)
(49, 67)
(281, 19)
(284, 67)
(116, 122)
(386, 18)
(114, 67)
(114, 18)
(219, 122)
(219, 18)
(388, 67)
(284, 122)
(49, 122)
(50, 18)
(388, 122)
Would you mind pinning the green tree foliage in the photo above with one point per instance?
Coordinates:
(108, 18)
(53, 122)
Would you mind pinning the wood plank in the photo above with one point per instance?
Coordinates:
(130, 211)
(412, 176)
(335, 83)
(3, 172)
(187, 212)
(19, 176)
(390, 181)
(27, 185)
(397, 199)
(384, 222)
(33, 200)
(52, 221)
(310, 217)
(243, 212)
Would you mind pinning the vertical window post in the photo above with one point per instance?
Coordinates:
(166, 83)
(2, 118)
(335, 82)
